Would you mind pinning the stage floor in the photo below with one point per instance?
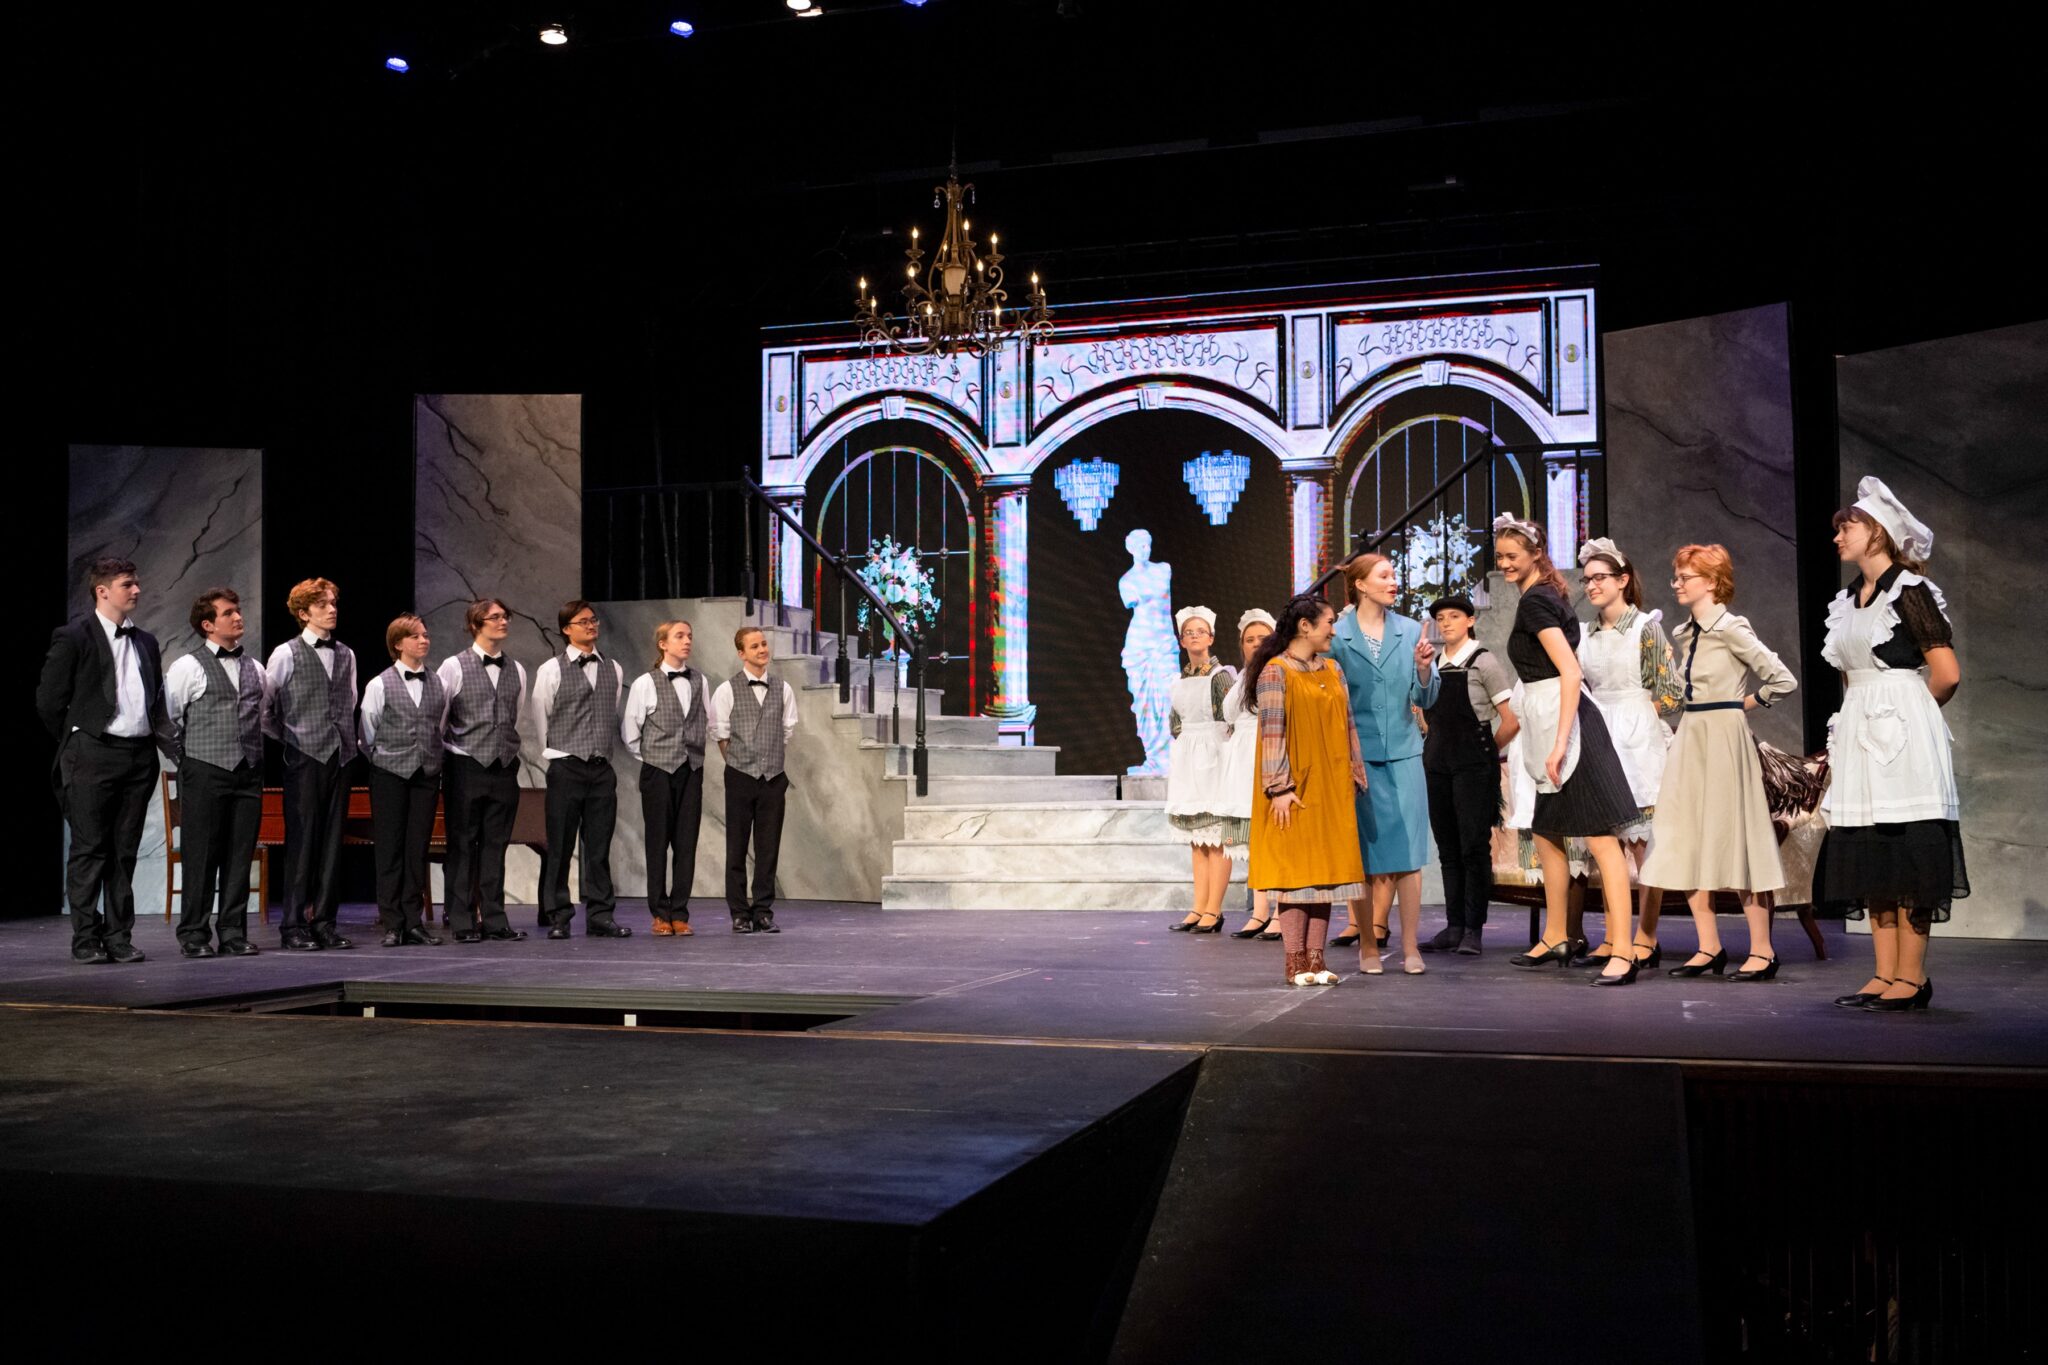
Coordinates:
(1079, 976)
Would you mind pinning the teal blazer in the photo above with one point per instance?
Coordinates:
(1382, 692)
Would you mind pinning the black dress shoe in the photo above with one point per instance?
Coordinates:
(332, 938)
(394, 938)
(765, 924)
(743, 926)
(507, 935)
(90, 954)
(1469, 945)
(607, 929)
(302, 943)
(125, 952)
(469, 936)
(421, 936)
(558, 931)
(238, 947)
(196, 949)
(1447, 939)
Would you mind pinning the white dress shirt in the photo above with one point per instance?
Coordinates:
(721, 707)
(131, 699)
(547, 680)
(186, 683)
(640, 700)
(373, 705)
(450, 674)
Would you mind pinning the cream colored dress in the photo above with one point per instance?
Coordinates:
(1713, 827)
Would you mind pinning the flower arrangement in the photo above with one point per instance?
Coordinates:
(1436, 561)
(900, 580)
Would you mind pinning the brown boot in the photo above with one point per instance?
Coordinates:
(1320, 969)
(1296, 964)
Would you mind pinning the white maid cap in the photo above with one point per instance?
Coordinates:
(1508, 521)
(1601, 548)
(1257, 616)
(1202, 614)
(1907, 531)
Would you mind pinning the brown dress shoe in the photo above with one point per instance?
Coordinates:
(661, 928)
(681, 927)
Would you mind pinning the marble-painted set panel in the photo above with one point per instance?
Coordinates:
(498, 512)
(191, 519)
(1699, 450)
(1954, 427)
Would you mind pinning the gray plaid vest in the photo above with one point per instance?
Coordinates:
(483, 718)
(669, 738)
(408, 736)
(224, 724)
(582, 718)
(318, 712)
(755, 745)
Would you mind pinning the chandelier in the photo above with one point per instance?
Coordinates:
(957, 302)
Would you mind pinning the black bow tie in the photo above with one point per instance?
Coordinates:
(323, 644)
(234, 653)
(757, 682)
(411, 676)
(123, 632)
(583, 659)
(494, 661)
(673, 676)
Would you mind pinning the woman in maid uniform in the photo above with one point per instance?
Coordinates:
(1581, 788)
(1893, 850)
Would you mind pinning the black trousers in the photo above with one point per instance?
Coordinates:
(219, 810)
(402, 823)
(481, 805)
(1463, 808)
(315, 810)
(105, 784)
(583, 806)
(753, 814)
(672, 804)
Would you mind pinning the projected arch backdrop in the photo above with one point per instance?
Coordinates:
(1337, 407)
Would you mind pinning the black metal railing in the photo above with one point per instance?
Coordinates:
(1477, 483)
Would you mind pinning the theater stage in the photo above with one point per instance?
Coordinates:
(1007, 1135)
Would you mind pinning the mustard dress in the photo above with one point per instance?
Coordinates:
(1307, 741)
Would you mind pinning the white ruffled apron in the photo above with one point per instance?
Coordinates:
(1889, 750)
(1613, 667)
(1195, 759)
(1541, 702)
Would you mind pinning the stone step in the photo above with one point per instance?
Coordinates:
(1144, 787)
(1030, 859)
(949, 790)
(978, 730)
(968, 760)
(1056, 820)
(765, 612)
(923, 893)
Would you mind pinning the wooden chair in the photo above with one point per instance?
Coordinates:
(174, 854)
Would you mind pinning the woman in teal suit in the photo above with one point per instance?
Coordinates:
(1390, 670)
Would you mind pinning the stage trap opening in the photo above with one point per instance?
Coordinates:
(751, 1011)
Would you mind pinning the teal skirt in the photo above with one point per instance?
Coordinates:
(1393, 817)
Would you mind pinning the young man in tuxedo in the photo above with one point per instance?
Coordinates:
(215, 698)
(101, 697)
(753, 714)
(668, 714)
(576, 697)
(404, 711)
(486, 690)
(313, 715)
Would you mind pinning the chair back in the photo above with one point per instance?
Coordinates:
(169, 791)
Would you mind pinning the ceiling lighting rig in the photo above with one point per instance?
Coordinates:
(957, 302)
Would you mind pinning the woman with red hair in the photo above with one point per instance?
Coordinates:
(1712, 830)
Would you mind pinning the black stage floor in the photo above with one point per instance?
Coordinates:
(1045, 1136)
(1121, 977)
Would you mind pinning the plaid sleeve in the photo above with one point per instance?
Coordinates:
(1274, 773)
(1660, 670)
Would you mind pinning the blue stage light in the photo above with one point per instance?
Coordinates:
(682, 28)
(397, 64)
(915, 4)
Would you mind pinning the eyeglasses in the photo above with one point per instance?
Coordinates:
(585, 621)
(1598, 577)
(1680, 580)
(497, 616)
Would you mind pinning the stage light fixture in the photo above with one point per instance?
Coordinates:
(554, 35)
(814, 12)
(682, 28)
(398, 64)
(915, 4)
(798, 5)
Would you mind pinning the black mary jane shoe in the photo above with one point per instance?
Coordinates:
(1543, 955)
(1586, 957)
(1186, 926)
(1767, 972)
(1207, 925)
(1716, 964)
(1345, 939)
(1916, 1001)
(1626, 978)
(1655, 958)
(1856, 1000)
(1253, 930)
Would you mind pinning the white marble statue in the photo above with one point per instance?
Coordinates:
(1151, 656)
